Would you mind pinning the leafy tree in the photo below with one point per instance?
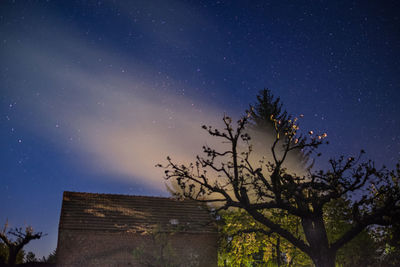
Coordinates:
(360, 251)
(276, 251)
(387, 239)
(232, 179)
(21, 239)
(240, 246)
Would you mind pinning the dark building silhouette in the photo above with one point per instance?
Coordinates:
(123, 230)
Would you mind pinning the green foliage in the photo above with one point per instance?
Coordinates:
(258, 249)
(372, 247)
(337, 215)
(367, 249)
(361, 251)
(240, 247)
(388, 241)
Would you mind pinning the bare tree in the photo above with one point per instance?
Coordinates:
(21, 239)
(234, 180)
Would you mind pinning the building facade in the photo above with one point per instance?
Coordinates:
(123, 230)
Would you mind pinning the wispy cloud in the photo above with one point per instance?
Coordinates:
(121, 117)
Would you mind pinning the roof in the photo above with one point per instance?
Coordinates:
(137, 214)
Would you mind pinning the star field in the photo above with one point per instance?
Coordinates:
(93, 93)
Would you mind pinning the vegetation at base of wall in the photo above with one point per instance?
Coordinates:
(159, 252)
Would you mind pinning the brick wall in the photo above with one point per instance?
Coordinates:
(85, 248)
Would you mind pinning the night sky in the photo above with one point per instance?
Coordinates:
(94, 93)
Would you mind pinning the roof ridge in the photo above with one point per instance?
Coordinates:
(122, 195)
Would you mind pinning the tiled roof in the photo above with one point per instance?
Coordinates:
(125, 213)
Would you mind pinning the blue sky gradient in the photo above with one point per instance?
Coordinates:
(94, 93)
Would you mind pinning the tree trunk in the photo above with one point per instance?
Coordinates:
(321, 253)
(278, 251)
(12, 256)
(326, 259)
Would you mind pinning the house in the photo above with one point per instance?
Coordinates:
(124, 230)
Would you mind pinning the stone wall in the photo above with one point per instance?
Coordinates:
(86, 248)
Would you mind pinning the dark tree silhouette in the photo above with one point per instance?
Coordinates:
(265, 107)
(259, 117)
(21, 239)
(231, 179)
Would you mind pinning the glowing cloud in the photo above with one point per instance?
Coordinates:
(121, 120)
